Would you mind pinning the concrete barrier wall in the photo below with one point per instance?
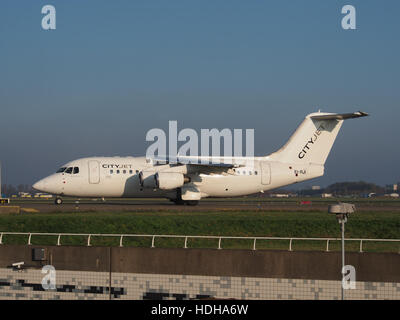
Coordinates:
(258, 263)
(156, 273)
(62, 258)
(383, 267)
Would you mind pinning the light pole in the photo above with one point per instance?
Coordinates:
(2, 200)
(342, 211)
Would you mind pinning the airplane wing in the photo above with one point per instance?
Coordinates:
(216, 162)
(207, 165)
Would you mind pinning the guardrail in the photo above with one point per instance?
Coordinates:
(186, 237)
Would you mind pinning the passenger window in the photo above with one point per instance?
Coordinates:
(130, 171)
(76, 170)
(117, 171)
(111, 171)
(69, 170)
(256, 172)
(250, 173)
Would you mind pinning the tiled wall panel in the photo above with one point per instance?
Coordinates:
(26, 284)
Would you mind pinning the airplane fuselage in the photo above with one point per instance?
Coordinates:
(119, 177)
(301, 158)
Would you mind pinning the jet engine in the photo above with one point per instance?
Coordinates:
(147, 179)
(170, 180)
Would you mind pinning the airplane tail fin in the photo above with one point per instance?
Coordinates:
(314, 138)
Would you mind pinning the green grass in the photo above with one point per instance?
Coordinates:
(231, 223)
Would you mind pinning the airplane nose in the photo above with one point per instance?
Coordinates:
(50, 184)
(40, 185)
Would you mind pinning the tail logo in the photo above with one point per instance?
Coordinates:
(311, 141)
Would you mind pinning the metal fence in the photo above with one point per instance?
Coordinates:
(187, 237)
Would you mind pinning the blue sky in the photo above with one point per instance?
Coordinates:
(112, 70)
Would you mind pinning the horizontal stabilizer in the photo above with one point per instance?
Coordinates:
(340, 116)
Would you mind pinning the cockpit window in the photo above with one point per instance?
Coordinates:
(69, 170)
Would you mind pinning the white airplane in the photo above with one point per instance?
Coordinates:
(186, 182)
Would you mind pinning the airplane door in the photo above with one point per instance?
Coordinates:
(265, 173)
(94, 171)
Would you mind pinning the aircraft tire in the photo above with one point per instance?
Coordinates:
(179, 202)
(192, 202)
(58, 201)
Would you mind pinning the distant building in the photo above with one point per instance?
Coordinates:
(42, 195)
(24, 195)
(316, 188)
(280, 195)
(327, 195)
(391, 188)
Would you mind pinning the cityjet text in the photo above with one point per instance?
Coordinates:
(311, 141)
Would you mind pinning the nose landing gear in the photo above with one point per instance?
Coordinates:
(58, 201)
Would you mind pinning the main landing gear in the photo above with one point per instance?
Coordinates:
(58, 201)
(178, 200)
